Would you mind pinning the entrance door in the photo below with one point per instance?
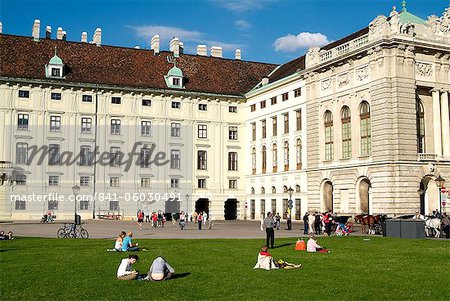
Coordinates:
(202, 205)
(252, 209)
(230, 209)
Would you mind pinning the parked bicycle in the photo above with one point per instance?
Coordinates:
(70, 230)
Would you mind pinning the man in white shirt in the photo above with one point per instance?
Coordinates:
(125, 271)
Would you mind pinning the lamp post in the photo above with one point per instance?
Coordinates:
(76, 191)
(440, 184)
(290, 191)
(187, 203)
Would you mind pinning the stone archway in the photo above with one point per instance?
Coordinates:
(429, 195)
(327, 196)
(230, 209)
(364, 204)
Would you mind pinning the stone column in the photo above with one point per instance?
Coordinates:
(437, 123)
(445, 125)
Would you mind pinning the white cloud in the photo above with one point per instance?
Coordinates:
(240, 6)
(242, 24)
(292, 43)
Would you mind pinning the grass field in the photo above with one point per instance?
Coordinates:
(378, 269)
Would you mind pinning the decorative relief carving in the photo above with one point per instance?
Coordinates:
(362, 73)
(326, 84)
(377, 23)
(440, 25)
(342, 80)
(424, 69)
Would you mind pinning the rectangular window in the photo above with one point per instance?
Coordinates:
(176, 105)
(22, 122)
(55, 96)
(253, 108)
(298, 92)
(329, 142)
(232, 161)
(53, 180)
(115, 126)
(114, 205)
(115, 156)
(263, 126)
(24, 94)
(253, 131)
(21, 180)
(52, 205)
(175, 160)
(114, 181)
(84, 181)
(201, 160)
(86, 125)
(285, 96)
(232, 109)
(202, 131)
(146, 102)
(298, 118)
(55, 123)
(146, 128)
(273, 100)
(263, 104)
(201, 183)
(85, 155)
(116, 100)
(274, 126)
(232, 184)
(286, 123)
(84, 205)
(86, 98)
(145, 182)
(175, 129)
(174, 183)
(21, 153)
(346, 139)
(56, 72)
(145, 158)
(232, 133)
(202, 107)
(53, 154)
(176, 81)
(20, 205)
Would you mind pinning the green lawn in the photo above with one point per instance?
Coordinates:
(379, 269)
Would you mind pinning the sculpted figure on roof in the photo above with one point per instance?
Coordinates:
(440, 25)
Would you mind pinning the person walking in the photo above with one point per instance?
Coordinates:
(289, 221)
(305, 223)
(210, 221)
(147, 216)
(328, 222)
(140, 218)
(199, 220)
(317, 223)
(268, 225)
(182, 220)
(278, 221)
(205, 218)
(446, 225)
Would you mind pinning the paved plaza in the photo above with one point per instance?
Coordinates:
(110, 229)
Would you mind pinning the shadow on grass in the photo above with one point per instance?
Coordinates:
(180, 275)
(283, 245)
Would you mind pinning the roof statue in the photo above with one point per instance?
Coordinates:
(440, 26)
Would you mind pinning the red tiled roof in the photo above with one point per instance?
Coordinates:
(22, 57)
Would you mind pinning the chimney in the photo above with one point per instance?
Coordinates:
(175, 47)
(237, 54)
(98, 37)
(201, 50)
(84, 37)
(137, 47)
(48, 32)
(36, 30)
(1, 27)
(216, 51)
(154, 44)
(64, 37)
(181, 47)
(59, 33)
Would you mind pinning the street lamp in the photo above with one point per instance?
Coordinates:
(187, 202)
(290, 191)
(440, 184)
(76, 191)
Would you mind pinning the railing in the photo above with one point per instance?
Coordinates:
(344, 48)
(326, 56)
(427, 157)
(6, 164)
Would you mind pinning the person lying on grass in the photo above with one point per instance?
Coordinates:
(160, 270)
(313, 246)
(265, 261)
(125, 271)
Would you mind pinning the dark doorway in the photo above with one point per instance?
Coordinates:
(231, 209)
(252, 209)
(422, 198)
(202, 205)
(172, 206)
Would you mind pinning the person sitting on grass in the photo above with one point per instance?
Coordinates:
(125, 271)
(313, 246)
(265, 261)
(119, 241)
(128, 245)
(160, 270)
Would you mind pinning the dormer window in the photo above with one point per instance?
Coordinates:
(174, 78)
(176, 81)
(55, 67)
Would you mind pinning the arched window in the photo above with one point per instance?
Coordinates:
(285, 189)
(366, 136)
(298, 152)
(264, 159)
(329, 149)
(253, 160)
(263, 190)
(420, 128)
(346, 133)
(253, 191)
(274, 190)
(274, 158)
(297, 188)
(286, 156)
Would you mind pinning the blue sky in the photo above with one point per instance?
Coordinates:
(274, 31)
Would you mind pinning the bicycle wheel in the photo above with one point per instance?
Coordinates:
(84, 233)
(61, 233)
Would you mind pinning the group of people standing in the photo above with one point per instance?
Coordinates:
(316, 223)
(157, 219)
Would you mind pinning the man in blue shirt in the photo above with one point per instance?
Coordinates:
(127, 244)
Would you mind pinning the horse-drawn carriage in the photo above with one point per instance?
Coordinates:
(371, 224)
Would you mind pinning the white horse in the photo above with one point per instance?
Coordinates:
(434, 224)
